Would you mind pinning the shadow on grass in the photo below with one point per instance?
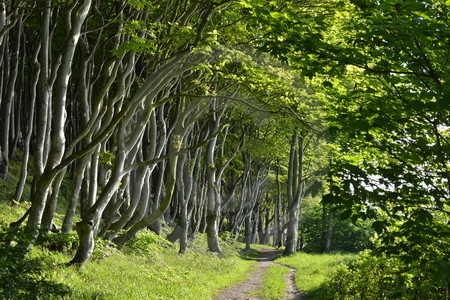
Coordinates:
(22, 277)
(258, 255)
(251, 254)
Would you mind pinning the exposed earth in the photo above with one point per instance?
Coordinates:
(244, 290)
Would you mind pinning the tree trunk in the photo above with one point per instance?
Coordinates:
(81, 169)
(327, 229)
(122, 239)
(248, 231)
(213, 201)
(50, 208)
(213, 204)
(292, 230)
(86, 238)
(30, 127)
(6, 111)
(295, 192)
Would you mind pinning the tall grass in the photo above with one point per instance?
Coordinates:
(314, 271)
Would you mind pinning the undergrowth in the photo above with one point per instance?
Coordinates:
(374, 276)
(25, 276)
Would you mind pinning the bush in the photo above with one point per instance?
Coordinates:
(61, 242)
(103, 248)
(147, 242)
(23, 277)
(380, 277)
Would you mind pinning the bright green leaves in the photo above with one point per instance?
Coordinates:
(282, 28)
(106, 157)
(143, 4)
(141, 37)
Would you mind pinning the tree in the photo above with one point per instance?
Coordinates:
(132, 101)
(385, 69)
(395, 170)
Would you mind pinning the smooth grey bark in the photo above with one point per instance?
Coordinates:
(86, 239)
(214, 173)
(6, 108)
(247, 230)
(30, 126)
(153, 150)
(187, 199)
(295, 191)
(140, 193)
(87, 227)
(184, 187)
(154, 84)
(122, 239)
(50, 207)
(199, 207)
(268, 219)
(278, 230)
(154, 200)
(327, 228)
(57, 135)
(80, 170)
(213, 194)
(188, 115)
(261, 227)
(180, 131)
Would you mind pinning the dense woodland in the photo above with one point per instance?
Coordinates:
(313, 125)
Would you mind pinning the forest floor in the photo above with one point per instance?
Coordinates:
(246, 290)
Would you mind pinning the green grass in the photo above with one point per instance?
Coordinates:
(10, 213)
(274, 284)
(313, 271)
(159, 272)
(163, 276)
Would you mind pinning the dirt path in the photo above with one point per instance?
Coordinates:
(254, 280)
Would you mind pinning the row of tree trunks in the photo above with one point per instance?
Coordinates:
(143, 120)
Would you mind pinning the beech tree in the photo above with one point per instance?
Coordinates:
(158, 113)
(383, 66)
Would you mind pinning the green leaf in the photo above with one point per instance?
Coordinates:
(379, 227)
(423, 216)
(277, 15)
(327, 84)
(346, 214)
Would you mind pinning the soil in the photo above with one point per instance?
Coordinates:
(243, 290)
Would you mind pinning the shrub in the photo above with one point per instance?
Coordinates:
(381, 277)
(23, 277)
(147, 242)
(61, 242)
(103, 248)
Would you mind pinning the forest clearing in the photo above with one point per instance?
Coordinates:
(183, 149)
